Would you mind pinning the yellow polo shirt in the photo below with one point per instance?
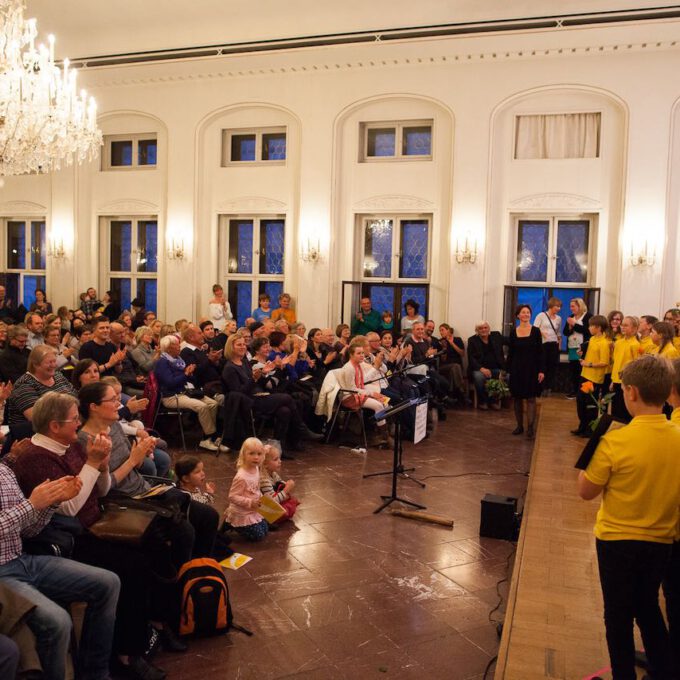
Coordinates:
(638, 466)
(676, 342)
(668, 351)
(597, 353)
(625, 351)
(646, 345)
(281, 313)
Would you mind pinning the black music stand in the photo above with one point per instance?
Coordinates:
(397, 467)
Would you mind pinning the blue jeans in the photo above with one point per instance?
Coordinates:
(46, 581)
(158, 466)
(480, 381)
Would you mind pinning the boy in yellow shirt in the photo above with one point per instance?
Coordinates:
(636, 470)
(644, 331)
(594, 368)
(626, 349)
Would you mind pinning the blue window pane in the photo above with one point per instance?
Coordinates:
(414, 247)
(536, 298)
(147, 290)
(572, 251)
(380, 142)
(382, 298)
(378, 249)
(417, 293)
(243, 147)
(272, 241)
(122, 288)
(121, 153)
(37, 245)
(240, 299)
(16, 245)
(240, 247)
(30, 284)
(273, 289)
(566, 295)
(146, 152)
(147, 246)
(121, 246)
(532, 251)
(274, 146)
(417, 141)
(11, 284)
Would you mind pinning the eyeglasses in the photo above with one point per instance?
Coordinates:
(111, 399)
(77, 419)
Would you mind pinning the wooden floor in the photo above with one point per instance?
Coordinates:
(554, 626)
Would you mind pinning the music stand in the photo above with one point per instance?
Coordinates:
(396, 459)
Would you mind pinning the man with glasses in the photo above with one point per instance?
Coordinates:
(14, 358)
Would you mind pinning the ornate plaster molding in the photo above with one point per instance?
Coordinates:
(252, 204)
(393, 202)
(128, 206)
(11, 208)
(555, 201)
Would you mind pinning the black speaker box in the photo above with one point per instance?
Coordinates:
(498, 518)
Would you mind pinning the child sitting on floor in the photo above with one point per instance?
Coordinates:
(271, 483)
(190, 477)
(244, 494)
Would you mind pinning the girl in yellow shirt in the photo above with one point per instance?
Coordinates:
(662, 335)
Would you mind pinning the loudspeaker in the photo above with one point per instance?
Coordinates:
(498, 518)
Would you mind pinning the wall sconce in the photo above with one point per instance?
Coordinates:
(55, 249)
(467, 253)
(176, 249)
(642, 256)
(310, 252)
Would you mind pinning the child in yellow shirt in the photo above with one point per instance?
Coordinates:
(593, 369)
(626, 349)
(644, 330)
(636, 470)
(662, 334)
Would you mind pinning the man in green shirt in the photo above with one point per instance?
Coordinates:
(367, 319)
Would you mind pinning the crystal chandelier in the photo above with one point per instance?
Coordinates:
(44, 120)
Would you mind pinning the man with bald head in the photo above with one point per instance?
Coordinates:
(208, 371)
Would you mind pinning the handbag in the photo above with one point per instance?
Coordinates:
(123, 524)
(194, 393)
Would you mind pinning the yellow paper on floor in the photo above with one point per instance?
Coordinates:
(235, 561)
(270, 509)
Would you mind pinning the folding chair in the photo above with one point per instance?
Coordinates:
(163, 411)
(349, 411)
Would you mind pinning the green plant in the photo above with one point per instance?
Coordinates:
(496, 388)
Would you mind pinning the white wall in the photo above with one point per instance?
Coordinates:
(471, 87)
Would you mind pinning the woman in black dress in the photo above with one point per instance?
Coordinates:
(526, 364)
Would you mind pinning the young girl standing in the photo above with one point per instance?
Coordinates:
(244, 495)
(272, 485)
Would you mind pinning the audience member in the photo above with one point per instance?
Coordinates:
(208, 373)
(284, 312)
(451, 361)
(35, 325)
(577, 333)
(65, 358)
(41, 305)
(90, 304)
(263, 311)
(366, 319)
(219, 310)
(101, 349)
(636, 470)
(486, 360)
(271, 483)
(14, 357)
(111, 305)
(144, 355)
(8, 311)
(411, 307)
(245, 494)
(190, 477)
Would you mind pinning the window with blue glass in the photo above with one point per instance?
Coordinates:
(378, 238)
(414, 249)
(553, 250)
(252, 260)
(132, 260)
(396, 140)
(25, 258)
(258, 145)
(130, 152)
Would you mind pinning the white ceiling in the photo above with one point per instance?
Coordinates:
(85, 28)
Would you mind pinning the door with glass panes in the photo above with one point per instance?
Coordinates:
(24, 258)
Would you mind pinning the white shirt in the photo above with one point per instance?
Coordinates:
(550, 333)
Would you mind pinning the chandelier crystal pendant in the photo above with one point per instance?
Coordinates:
(44, 121)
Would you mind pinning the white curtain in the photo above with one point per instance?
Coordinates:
(563, 135)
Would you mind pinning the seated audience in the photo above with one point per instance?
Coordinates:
(485, 361)
(41, 376)
(8, 311)
(46, 580)
(271, 483)
(14, 357)
(101, 349)
(90, 304)
(66, 317)
(35, 325)
(263, 311)
(81, 335)
(3, 335)
(636, 470)
(411, 307)
(41, 305)
(65, 358)
(54, 453)
(126, 371)
(190, 477)
(244, 494)
(174, 378)
(111, 305)
(366, 319)
(284, 311)
(451, 361)
(208, 373)
(144, 355)
(423, 354)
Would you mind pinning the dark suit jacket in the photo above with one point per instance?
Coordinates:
(475, 351)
